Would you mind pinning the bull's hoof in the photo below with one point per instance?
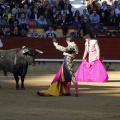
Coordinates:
(22, 88)
(17, 88)
(38, 93)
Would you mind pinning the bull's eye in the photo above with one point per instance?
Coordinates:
(28, 56)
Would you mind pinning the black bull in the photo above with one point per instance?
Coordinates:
(16, 61)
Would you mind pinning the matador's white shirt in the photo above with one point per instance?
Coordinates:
(91, 48)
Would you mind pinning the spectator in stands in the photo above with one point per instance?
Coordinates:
(34, 34)
(5, 20)
(99, 10)
(5, 6)
(39, 7)
(69, 6)
(15, 24)
(4, 32)
(22, 19)
(45, 3)
(76, 23)
(107, 11)
(68, 17)
(41, 21)
(112, 19)
(65, 9)
(117, 12)
(56, 17)
(57, 5)
(118, 1)
(95, 29)
(13, 2)
(12, 19)
(62, 4)
(8, 13)
(16, 32)
(54, 9)
(86, 26)
(64, 22)
(77, 15)
(84, 15)
(104, 5)
(24, 29)
(48, 9)
(76, 33)
(35, 14)
(115, 4)
(103, 19)
(94, 18)
(21, 12)
(1, 3)
(47, 16)
(27, 11)
(16, 10)
(93, 6)
(51, 33)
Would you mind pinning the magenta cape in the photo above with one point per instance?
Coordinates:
(57, 87)
(58, 76)
(91, 72)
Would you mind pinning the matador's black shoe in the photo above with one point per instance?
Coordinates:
(66, 94)
(38, 93)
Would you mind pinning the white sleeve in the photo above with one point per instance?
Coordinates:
(97, 49)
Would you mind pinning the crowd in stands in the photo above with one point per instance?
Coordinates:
(21, 14)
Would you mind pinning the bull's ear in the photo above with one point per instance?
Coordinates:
(24, 51)
(38, 51)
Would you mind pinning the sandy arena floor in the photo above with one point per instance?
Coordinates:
(97, 101)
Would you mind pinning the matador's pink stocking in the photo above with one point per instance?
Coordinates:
(76, 88)
(68, 87)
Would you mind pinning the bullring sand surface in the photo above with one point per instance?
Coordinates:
(97, 101)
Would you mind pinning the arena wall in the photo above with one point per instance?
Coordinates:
(52, 58)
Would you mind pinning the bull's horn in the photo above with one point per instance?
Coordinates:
(24, 50)
(38, 51)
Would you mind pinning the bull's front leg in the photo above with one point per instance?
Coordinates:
(17, 81)
(22, 82)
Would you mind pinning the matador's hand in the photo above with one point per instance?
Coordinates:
(55, 44)
(98, 57)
